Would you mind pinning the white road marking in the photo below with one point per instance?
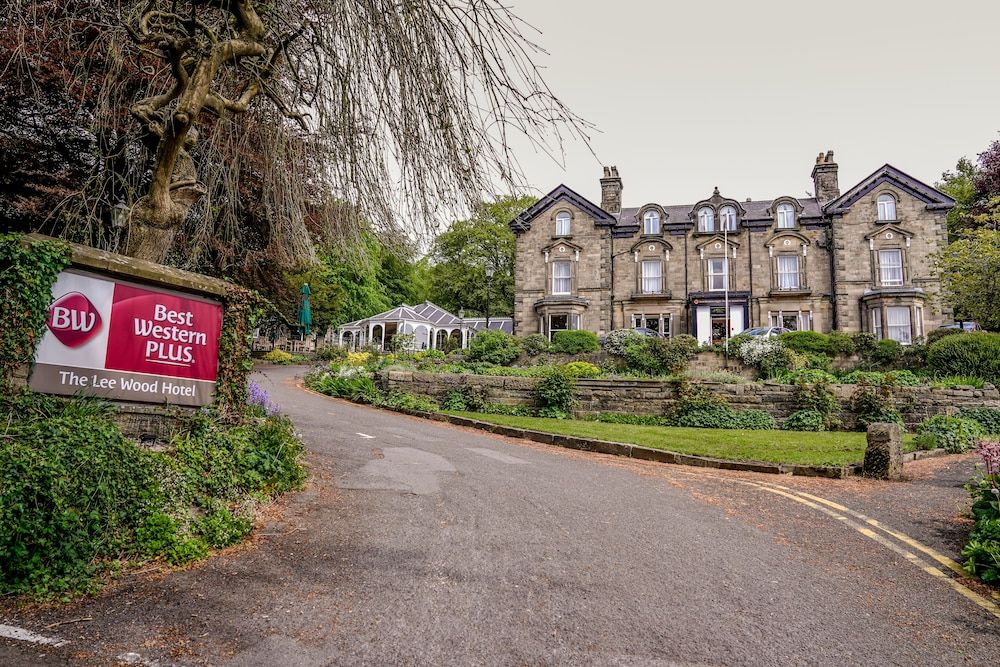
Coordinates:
(365, 435)
(503, 458)
(20, 634)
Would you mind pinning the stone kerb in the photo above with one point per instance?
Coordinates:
(656, 397)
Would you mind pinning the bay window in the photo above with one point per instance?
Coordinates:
(898, 324)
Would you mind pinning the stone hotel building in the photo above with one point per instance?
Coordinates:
(857, 260)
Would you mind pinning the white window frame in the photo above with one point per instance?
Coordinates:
(786, 216)
(788, 280)
(896, 329)
(560, 281)
(728, 218)
(890, 275)
(886, 205)
(706, 219)
(652, 284)
(877, 322)
(651, 222)
(713, 274)
(563, 223)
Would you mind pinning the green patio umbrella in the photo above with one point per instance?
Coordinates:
(305, 312)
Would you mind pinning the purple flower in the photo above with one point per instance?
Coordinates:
(989, 451)
(257, 396)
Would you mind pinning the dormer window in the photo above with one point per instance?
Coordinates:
(706, 220)
(727, 218)
(651, 223)
(562, 223)
(786, 216)
(886, 207)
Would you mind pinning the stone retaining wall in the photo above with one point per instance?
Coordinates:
(655, 397)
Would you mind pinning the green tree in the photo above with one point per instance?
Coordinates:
(970, 274)
(462, 252)
(960, 185)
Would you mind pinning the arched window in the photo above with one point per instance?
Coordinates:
(706, 220)
(786, 216)
(886, 207)
(562, 223)
(727, 218)
(651, 223)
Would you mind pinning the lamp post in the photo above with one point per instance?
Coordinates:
(490, 269)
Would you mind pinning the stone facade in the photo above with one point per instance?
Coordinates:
(857, 261)
(656, 397)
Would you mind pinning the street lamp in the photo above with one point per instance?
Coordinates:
(490, 269)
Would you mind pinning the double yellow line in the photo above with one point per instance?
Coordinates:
(865, 525)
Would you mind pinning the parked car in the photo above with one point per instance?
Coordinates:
(965, 326)
(764, 332)
(650, 333)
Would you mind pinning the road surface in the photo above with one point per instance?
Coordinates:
(418, 543)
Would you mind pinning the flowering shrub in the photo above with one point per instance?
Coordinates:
(358, 358)
(617, 341)
(278, 357)
(982, 552)
(769, 356)
(257, 397)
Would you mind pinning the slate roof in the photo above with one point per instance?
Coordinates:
(755, 210)
(935, 199)
(433, 314)
(505, 324)
(436, 315)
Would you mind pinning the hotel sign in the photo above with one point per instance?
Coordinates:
(122, 341)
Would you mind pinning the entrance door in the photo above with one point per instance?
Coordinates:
(718, 324)
(703, 325)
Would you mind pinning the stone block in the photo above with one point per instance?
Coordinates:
(884, 453)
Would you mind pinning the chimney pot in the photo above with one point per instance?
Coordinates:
(829, 156)
(825, 182)
(611, 190)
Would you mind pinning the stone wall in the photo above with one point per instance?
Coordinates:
(656, 397)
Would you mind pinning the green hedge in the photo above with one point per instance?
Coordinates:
(575, 342)
(988, 418)
(954, 434)
(976, 354)
(494, 347)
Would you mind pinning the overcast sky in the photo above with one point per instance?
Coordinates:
(743, 95)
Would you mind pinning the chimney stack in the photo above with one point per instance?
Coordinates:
(824, 175)
(611, 191)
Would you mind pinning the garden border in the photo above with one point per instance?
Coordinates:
(635, 451)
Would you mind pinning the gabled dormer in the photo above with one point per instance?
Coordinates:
(883, 182)
(551, 202)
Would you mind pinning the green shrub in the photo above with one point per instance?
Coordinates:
(934, 335)
(755, 420)
(818, 398)
(401, 342)
(811, 342)
(556, 391)
(819, 362)
(466, 399)
(574, 342)
(902, 378)
(698, 407)
(534, 345)
(954, 434)
(404, 402)
(807, 375)
(872, 404)
(581, 369)
(659, 356)
(221, 528)
(358, 388)
(988, 418)
(737, 342)
(804, 420)
(982, 551)
(976, 354)
(278, 357)
(494, 347)
(864, 343)
(841, 344)
(885, 354)
(769, 356)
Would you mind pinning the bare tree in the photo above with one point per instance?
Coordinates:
(403, 108)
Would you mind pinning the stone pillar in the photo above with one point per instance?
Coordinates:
(884, 453)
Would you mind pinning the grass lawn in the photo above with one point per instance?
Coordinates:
(805, 448)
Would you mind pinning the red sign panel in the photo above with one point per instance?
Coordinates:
(163, 334)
